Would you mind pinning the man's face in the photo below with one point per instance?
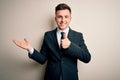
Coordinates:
(63, 18)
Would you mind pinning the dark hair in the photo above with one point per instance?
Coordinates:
(62, 6)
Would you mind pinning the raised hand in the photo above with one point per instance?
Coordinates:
(24, 45)
(65, 43)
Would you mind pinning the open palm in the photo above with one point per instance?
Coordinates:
(25, 45)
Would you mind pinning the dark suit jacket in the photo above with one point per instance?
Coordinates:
(62, 62)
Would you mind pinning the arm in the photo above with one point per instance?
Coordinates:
(39, 57)
(79, 50)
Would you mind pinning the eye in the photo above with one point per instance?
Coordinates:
(59, 16)
(66, 16)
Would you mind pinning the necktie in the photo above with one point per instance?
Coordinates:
(62, 35)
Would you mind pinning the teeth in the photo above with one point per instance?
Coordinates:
(62, 23)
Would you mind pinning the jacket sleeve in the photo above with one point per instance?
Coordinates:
(79, 51)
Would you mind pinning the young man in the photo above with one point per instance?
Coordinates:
(61, 48)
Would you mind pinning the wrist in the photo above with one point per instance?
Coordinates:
(29, 49)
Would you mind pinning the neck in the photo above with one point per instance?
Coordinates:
(62, 29)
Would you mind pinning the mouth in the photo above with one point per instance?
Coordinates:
(63, 23)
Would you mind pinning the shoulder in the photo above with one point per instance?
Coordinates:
(50, 34)
(75, 36)
(75, 33)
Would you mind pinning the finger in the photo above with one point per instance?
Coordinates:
(13, 41)
(25, 40)
(16, 42)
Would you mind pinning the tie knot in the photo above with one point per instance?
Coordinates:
(62, 35)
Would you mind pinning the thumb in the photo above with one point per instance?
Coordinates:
(65, 35)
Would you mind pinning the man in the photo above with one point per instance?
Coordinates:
(61, 48)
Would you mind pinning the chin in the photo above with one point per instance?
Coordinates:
(62, 27)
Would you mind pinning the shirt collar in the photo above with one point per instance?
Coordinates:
(66, 30)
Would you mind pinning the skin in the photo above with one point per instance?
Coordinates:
(62, 18)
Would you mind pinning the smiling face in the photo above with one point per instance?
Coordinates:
(63, 18)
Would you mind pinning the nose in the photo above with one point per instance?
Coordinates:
(63, 19)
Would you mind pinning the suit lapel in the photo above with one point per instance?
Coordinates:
(57, 54)
(55, 38)
(70, 35)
